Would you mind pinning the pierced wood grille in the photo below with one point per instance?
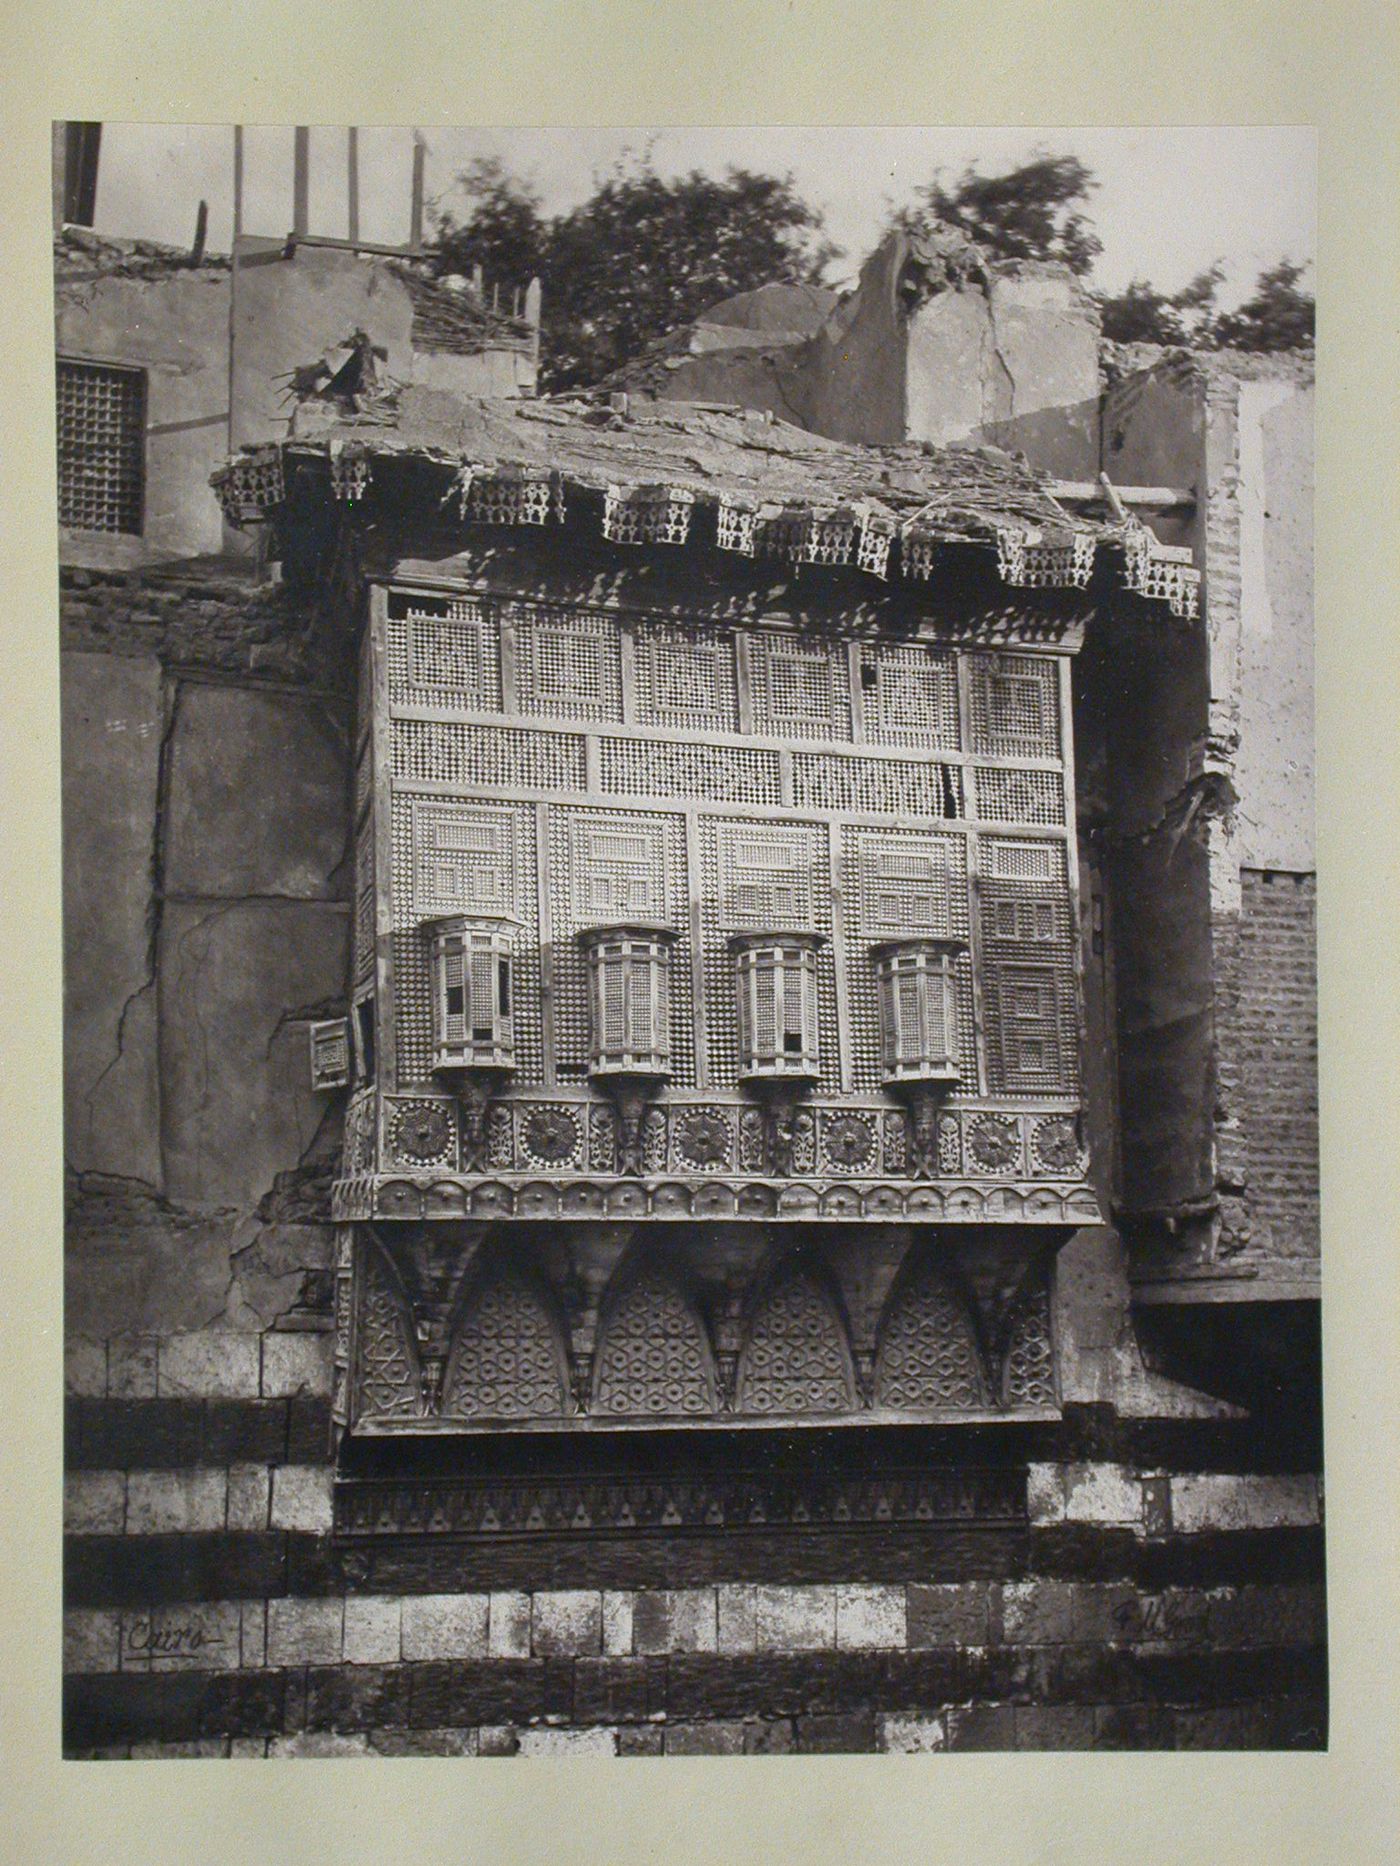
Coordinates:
(101, 447)
(1015, 705)
(909, 696)
(800, 690)
(452, 857)
(568, 664)
(444, 654)
(605, 867)
(902, 884)
(684, 679)
(1028, 980)
(606, 768)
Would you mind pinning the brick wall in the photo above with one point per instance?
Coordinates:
(1268, 1042)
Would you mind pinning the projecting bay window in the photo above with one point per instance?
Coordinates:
(775, 981)
(629, 999)
(918, 1010)
(473, 1020)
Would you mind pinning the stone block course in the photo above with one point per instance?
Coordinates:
(92, 1638)
(544, 1741)
(617, 1622)
(85, 1366)
(913, 1736)
(94, 1503)
(1036, 1613)
(566, 1624)
(166, 1502)
(948, 1613)
(871, 1616)
(209, 1363)
(682, 1621)
(704, 1739)
(736, 1618)
(249, 1496)
(794, 1619)
(372, 1630)
(296, 1364)
(305, 1632)
(1216, 1501)
(508, 1625)
(301, 1497)
(836, 1734)
(131, 1367)
(444, 1626)
(1054, 1726)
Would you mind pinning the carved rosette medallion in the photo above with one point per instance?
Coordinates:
(703, 1140)
(421, 1133)
(993, 1144)
(848, 1142)
(1055, 1144)
(549, 1136)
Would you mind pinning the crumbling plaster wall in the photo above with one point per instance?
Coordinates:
(206, 913)
(175, 328)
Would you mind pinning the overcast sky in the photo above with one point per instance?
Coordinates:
(1169, 201)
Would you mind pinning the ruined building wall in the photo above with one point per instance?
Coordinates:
(1218, 1013)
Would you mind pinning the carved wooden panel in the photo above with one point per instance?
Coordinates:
(386, 1379)
(506, 1361)
(928, 1358)
(653, 1360)
(1028, 1374)
(795, 1358)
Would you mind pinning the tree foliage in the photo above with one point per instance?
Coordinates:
(642, 255)
(1035, 211)
(645, 254)
(1277, 317)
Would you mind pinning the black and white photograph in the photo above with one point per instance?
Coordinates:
(690, 999)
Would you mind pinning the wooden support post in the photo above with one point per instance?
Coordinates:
(352, 183)
(415, 228)
(301, 179)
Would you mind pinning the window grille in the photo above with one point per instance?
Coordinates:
(685, 680)
(568, 664)
(101, 447)
(656, 768)
(918, 1010)
(800, 691)
(444, 657)
(444, 753)
(1028, 986)
(1015, 705)
(473, 993)
(1019, 796)
(909, 696)
(876, 786)
(464, 859)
